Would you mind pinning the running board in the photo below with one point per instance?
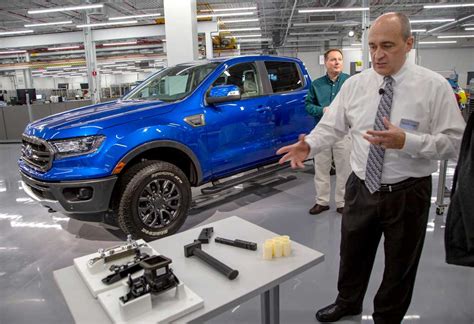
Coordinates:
(262, 172)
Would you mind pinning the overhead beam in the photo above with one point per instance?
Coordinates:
(98, 35)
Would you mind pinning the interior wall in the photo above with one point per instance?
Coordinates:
(459, 59)
(444, 59)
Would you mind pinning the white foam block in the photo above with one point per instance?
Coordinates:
(93, 276)
(164, 307)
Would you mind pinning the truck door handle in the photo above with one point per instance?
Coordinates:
(262, 108)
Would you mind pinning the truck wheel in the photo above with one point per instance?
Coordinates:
(154, 201)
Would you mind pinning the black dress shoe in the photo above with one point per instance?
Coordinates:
(340, 210)
(317, 208)
(335, 312)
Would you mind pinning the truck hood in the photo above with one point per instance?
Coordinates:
(96, 117)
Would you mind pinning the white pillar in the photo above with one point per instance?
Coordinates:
(28, 77)
(365, 35)
(91, 61)
(209, 49)
(181, 31)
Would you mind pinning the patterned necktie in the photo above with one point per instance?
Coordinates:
(373, 172)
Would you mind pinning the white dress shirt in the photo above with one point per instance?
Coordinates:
(423, 104)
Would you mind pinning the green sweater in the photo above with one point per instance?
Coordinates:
(321, 93)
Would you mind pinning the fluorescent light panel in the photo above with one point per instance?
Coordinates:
(108, 24)
(16, 32)
(422, 30)
(71, 8)
(240, 29)
(244, 36)
(469, 28)
(119, 43)
(135, 16)
(333, 10)
(452, 5)
(50, 23)
(295, 40)
(421, 21)
(13, 52)
(467, 25)
(457, 36)
(228, 9)
(226, 15)
(314, 33)
(63, 48)
(327, 23)
(237, 21)
(438, 42)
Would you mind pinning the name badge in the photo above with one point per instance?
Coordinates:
(409, 124)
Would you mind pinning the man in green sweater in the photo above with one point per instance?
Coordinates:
(321, 93)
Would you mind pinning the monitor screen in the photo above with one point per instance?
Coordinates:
(39, 97)
(84, 86)
(21, 94)
(63, 85)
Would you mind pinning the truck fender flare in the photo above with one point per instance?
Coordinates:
(164, 144)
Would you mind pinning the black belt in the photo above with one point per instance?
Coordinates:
(399, 185)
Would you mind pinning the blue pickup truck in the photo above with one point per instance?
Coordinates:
(137, 158)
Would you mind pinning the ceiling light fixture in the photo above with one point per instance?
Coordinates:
(17, 32)
(445, 26)
(421, 21)
(457, 36)
(120, 43)
(467, 25)
(422, 30)
(328, 23)
(135, 16)
(333, 9)
(71, 8)
(63, 48)
(314, 33)
(438, 42)
(244, 36)
(351, 33)
(453, 5)
(237, 21)
(469, 28)
(225, 14)
(228, 9)
(240, 29)
(50, 23)
(13, 52)
(108, 24)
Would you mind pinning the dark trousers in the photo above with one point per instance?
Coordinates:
(401, 216)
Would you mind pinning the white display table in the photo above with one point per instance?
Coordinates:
(256, 276)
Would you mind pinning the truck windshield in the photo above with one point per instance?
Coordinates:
(173, 83)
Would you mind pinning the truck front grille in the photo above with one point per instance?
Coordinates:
(36, 153)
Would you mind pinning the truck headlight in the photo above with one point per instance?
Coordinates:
(76, 146)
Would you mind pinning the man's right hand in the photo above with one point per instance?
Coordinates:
(295, 153)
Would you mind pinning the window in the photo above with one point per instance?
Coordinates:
(174, 83)
(283, 76)
(244, 76)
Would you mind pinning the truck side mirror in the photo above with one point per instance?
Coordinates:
(223, 93)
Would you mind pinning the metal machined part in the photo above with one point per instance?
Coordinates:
(117, 252)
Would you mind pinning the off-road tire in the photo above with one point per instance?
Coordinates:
(142, 186)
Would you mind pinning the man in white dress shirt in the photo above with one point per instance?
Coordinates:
(402, 119)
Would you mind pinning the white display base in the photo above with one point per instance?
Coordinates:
(161, 308)
(93, 276)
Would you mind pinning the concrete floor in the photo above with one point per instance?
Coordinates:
(34, 243)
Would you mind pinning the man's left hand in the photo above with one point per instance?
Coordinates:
(392, 138)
